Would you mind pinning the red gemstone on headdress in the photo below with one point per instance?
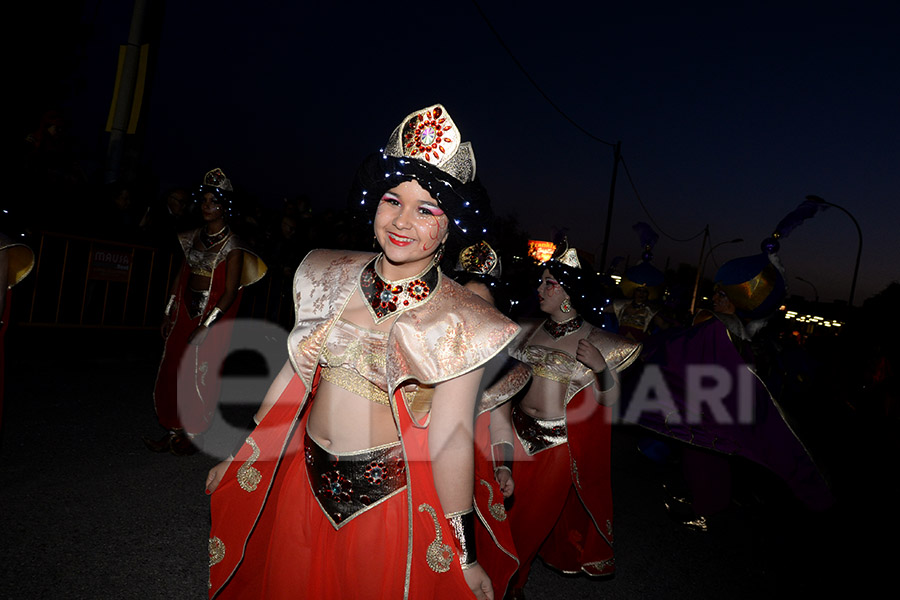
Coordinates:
(442, 149)
(448, 140)
(438, 112)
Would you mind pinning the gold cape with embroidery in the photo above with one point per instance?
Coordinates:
(618, 351)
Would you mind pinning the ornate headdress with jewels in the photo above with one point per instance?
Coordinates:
(480, 263)
(216, 178)
(567, 255)
(570, 257)
(427, 147)
(218, 184)
(479, 259)
(430, 135)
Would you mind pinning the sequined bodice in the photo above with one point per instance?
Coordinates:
(361, 350)
(551, 364)
(202, 262)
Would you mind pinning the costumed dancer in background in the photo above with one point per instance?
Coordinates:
(16, 262)
(479, 270)
(358, 481)
(748, 419)
(199, 317)
(638, 313)
(559, 427)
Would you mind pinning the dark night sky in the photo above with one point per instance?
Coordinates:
(727, 116)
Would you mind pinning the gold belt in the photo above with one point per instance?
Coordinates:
(537, 435)
(352, 381)
(346, 485)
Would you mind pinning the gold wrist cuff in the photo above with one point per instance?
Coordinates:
(213, 316)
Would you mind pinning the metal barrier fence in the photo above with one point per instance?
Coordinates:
(94, 283)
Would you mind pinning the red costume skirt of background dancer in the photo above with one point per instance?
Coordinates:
(543, 483)
(188, 383)
(549, 520)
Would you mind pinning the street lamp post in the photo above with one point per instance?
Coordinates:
(702, 265)
(858, 249)
(815, 291)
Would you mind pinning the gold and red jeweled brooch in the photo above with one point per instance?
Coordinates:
(385, 298)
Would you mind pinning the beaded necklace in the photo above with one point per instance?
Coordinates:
(211, 239)
(561, 330)
(386, 298)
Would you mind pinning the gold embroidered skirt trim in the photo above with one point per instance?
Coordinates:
(354, 382)
(537, 435)
(348, 484)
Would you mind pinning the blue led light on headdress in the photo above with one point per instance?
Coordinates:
(216, 183)
(427, 147)
(578, 279)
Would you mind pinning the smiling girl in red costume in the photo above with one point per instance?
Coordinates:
(358, 480)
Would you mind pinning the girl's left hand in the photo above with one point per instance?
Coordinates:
(479, 582)
(588, 355)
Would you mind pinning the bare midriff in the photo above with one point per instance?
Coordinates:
(545, 399)
(342, 421)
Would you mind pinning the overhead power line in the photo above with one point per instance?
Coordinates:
(534, 83)
(647, 212)
(583, 130)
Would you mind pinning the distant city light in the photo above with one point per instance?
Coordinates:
(811, 319)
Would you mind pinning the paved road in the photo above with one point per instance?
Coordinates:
(87, 512)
